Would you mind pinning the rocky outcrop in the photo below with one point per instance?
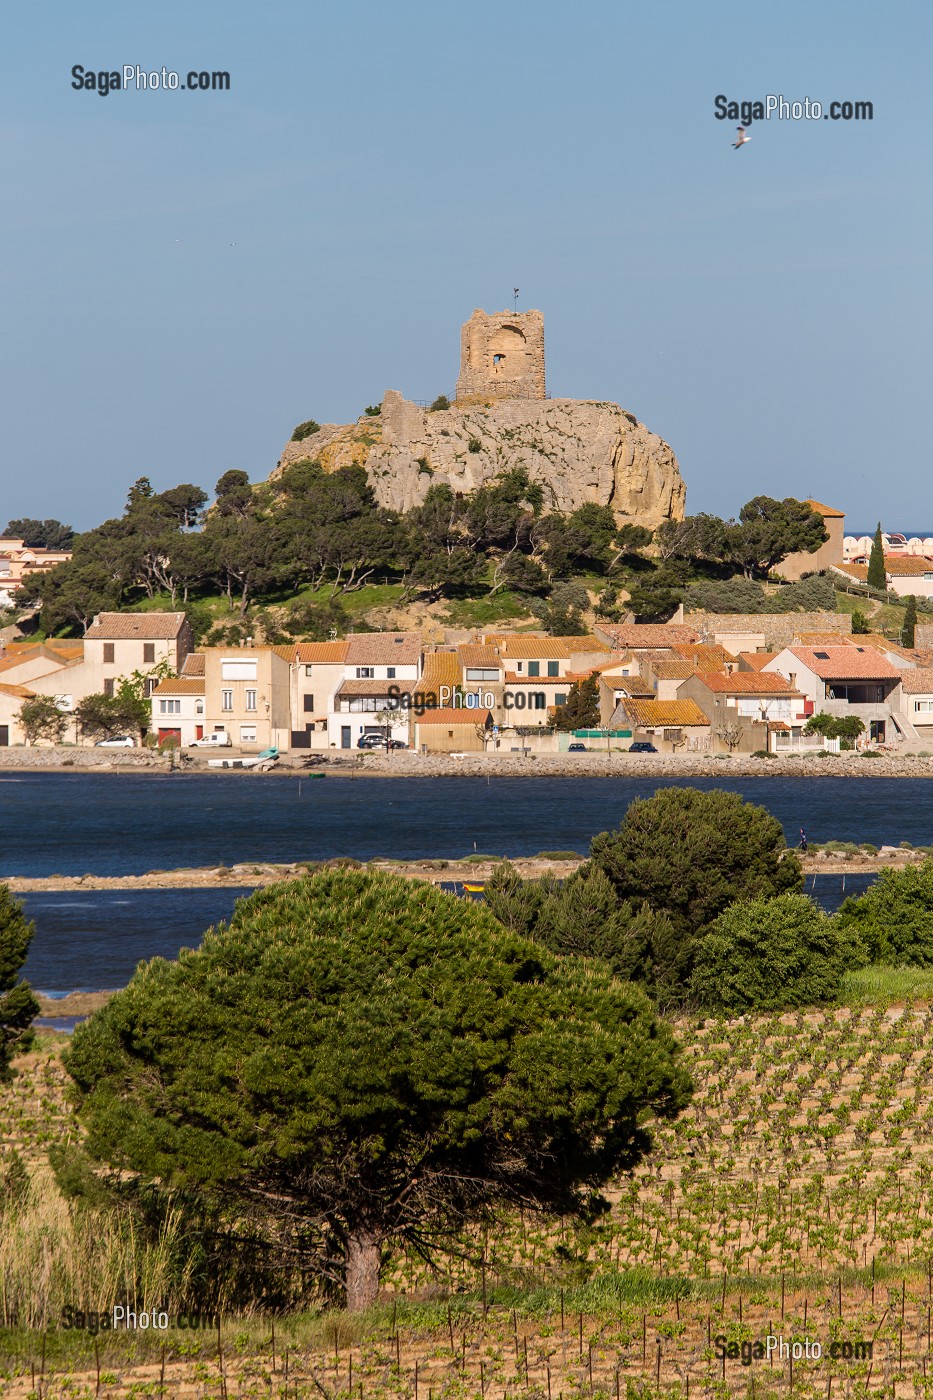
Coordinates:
(577, 450)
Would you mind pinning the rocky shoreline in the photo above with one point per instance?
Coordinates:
(413, 765)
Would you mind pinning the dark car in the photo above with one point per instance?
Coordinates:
(371, 741)
(576, 748)
(642, 747)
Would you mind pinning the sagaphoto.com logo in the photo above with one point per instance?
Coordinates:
(746, 110)
(131, 77)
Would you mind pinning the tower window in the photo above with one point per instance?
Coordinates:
(498, 359)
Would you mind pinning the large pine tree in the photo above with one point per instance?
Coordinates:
(877, 576)
(908, 630)
(581, 710)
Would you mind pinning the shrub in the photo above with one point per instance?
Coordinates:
(373, 410)
(441, 403)
(769, 955)
(894, 918)
(871, 753)
(305, 430)
(18, 1006)
(474, 445)
(424, 466)
(762, 753)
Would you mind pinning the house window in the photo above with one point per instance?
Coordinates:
(309, 704)
(308, 670)
(923, 706)
(108, 653)
(673, 736)
(482, 673)
(251, 700)
(169, 707)
(534, 668)
(560, 699)
(247, 733)
(108, 687)
(390, 673)
(226, 699)
(553, 668)
(148, 653)
(365, 673)
(199, 707)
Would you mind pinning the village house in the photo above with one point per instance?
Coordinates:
(118, 644)
(178, 710)
(917, 702)
(845, 680)
(453, 730)
(18, 560)
(318, 668)
(247, 694)
(379, 670)
(830, 552)
(744, 708)
(906, 574)
(673, 726)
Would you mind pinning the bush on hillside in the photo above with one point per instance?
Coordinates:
(18, 1006)
(769, 955)
(305, 430)
(894, 918)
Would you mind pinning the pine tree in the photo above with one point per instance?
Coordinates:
(877, 576)
(581, 710)
(910, 623)
(18, 1006)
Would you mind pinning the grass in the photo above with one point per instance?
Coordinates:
(874, 986)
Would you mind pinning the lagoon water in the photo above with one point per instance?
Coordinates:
(123, 824)
(113, 824)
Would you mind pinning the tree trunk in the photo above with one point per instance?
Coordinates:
(363, 1250)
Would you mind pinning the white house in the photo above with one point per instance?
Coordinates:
(379, 670)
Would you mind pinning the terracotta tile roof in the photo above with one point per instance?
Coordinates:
(324, 653)
(19, 692)
(648, 634)
(181, 685)
(747, 683)
(586, 643)
(828, 511)
(118, 627)
(454, 716)
(535, 648)
(286, 653)
(896, 565)
(846, 663)
(441, 668)
(193, 664)
(603, 669)
(918, 681)
(677, 669)
(383, 649)
(822, 639)
(706, 656)
(478, 654)
(377, 689)
(649, 713)
(756, 660)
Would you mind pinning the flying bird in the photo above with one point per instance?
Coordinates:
(741, 138)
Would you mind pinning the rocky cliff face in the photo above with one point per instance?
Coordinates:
(578, 451)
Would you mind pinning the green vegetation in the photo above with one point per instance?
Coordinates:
(582, 708)
(439, 405)
(305, 430)
(877, 574)
(40, 534)
(41, 718)
(769, 955)
(434, 1071)
(908, 630)
(893, 920)
(18, 1006)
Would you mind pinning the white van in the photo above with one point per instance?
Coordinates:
(220, 739)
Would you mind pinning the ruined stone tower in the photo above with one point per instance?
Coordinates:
(502, 355)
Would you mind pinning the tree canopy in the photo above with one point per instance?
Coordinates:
(18, 1006)
(769, 955)
(356, 1058)
(893, 920)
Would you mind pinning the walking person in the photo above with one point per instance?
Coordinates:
(802, 843)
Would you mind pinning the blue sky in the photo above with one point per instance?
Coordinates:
(384, 169)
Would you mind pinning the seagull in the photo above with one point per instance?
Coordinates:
(742, 138)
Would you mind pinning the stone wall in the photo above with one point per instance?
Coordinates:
(778, 629)
(502, 355)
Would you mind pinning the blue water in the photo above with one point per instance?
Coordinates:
(93, 940)
(115, 824)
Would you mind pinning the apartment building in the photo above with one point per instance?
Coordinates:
(247, 693)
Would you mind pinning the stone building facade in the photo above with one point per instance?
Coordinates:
(502, 355)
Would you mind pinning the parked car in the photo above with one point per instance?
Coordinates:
(123, 741)
(371, 741)
(576, 748)
(397, 744)
(642, 747)
(219, 739)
